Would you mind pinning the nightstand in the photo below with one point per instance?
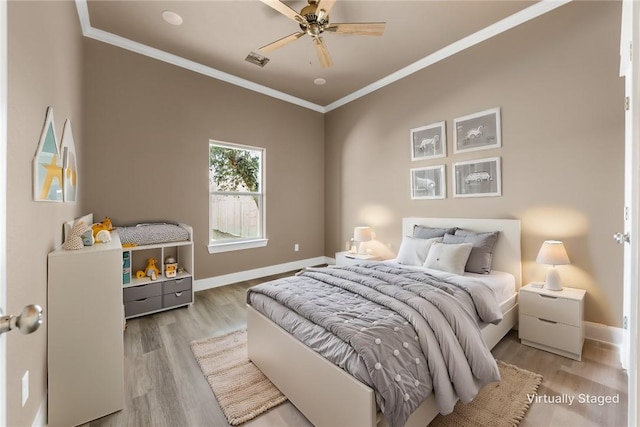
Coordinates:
(552, 320)
(347, 258)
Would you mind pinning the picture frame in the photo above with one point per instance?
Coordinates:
(428, 182)
(429, 142)
(69, 165)
(477, 178)
(47, 164)
(477, 131)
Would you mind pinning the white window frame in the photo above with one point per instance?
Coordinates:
(218, 246)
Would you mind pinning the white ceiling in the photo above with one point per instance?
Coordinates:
(217, 35)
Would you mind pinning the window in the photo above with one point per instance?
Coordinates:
(236, 197)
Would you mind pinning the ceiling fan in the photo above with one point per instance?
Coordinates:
(314, 20)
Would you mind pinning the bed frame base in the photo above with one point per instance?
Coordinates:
(323, 392)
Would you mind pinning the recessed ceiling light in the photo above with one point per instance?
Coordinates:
(319, 81)
(171, 17)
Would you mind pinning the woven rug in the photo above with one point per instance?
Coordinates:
(242, 391)
(499, 404)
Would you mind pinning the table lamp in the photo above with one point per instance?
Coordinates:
(360, 235)
(552, 252)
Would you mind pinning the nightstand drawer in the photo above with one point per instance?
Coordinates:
(556, 335)
(549, 307)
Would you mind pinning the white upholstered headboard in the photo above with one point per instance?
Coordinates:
(506, 254)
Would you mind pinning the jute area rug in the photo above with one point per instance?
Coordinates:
(500, 404)
(242, 391)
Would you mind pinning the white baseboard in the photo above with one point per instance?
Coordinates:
(256, 273)
(603, 333)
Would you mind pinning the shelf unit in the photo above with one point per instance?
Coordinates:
(145, 296)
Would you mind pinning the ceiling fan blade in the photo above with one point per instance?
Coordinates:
(283, 41)
(323, 52)
(286, 11)
(361, 28)
(324, 5)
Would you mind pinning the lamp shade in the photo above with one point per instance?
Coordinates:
(552, 252)
(362, 234)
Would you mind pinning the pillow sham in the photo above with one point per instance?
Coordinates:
(482, 252)
(414, 251)
(424, 232)
(448, 257)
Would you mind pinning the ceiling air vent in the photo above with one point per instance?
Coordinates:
(257, 59)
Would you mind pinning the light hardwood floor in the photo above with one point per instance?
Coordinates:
(164, 385)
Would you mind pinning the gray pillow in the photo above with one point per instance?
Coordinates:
(424, 232)
(482, 252)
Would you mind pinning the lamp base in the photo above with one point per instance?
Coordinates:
(552, 282)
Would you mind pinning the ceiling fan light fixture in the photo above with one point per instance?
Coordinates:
(257, 59)
(171, 17)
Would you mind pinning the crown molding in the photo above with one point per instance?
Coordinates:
(532, 12)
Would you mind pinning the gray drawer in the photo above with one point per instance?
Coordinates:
(140, 292)
(177, 298)
(133, 308)
(177, 285)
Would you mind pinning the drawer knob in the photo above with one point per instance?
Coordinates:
(548, 296)
(547, 321)
(178, 294)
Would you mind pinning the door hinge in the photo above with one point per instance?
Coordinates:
(630, 51)
(626, 213)
(626, 103)
(625, 322)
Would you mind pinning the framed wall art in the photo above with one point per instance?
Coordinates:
(477, 178)
(429, 142)
(478, 131)
(47, 164)
(428, 183)
(69, 164)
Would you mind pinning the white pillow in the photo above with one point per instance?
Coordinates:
(413, 251)
(448, 257)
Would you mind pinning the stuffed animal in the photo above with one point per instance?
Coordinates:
(104, 225)
(151, 270)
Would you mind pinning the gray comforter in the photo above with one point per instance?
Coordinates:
(404, 333)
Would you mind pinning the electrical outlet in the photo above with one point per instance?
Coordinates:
(296, 247)
(25, 388)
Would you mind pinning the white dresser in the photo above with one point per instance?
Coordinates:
(85, 344)
(552, 320)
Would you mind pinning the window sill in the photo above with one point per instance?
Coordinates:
(237, 246)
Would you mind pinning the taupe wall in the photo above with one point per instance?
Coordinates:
(148, 126)
(556, 81)
(45, 69)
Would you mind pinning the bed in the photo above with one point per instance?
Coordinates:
(326, 394)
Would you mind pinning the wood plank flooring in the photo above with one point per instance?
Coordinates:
(165, 387)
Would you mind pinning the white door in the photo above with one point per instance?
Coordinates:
(629, 67)
(3, 206)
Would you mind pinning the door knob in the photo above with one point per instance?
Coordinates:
(621, 238)
(28, 321)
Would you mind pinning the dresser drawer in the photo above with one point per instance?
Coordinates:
(142, 291)
(133, 308)
(548, 307)
(177, 285)
(177, 298)
(556, 335)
